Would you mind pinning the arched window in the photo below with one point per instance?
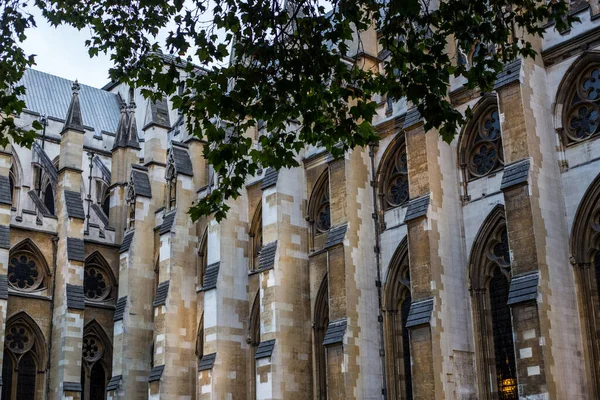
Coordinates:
(319, 210)
(49, 198)
(27, 268)
(171, 188)
(97, 361)
(321, 321)
(489, 274)
(480, 145)
(98, 280)
(24, 356)
(256, 239)
(393, 175)
(11, 182)
(585, 250)
(397, 305)
(103, 196)
(253, 339)
(200, 340)
(202, 258)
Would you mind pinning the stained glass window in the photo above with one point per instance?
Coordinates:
(396, 179)
(323, 214)
(583, 110)
(485, 144)
(23, 272)
(96, 284)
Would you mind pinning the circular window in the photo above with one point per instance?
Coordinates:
(583, 114)
(92, 349)
(96, 284)
(19, 338)
(485, 155)
(24, 273)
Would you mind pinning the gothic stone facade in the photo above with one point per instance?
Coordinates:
(412, 269)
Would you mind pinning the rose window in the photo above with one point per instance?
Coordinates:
(24, 273)
(485, 155)
(95, 283)
(583, 113)
(92, 349)
(19, 339)
(397, 181)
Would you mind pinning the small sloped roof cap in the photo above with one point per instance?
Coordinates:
(74, 204)
(161, 294)
(523, 288)
(210, 276)
(336, 235)
(267, 256)
(515, 174)
(265, 349)
(207, 362)
(420, 313)
(270, 178)
(141, 182)
(181, 159)
(417, 208)
(335, 332)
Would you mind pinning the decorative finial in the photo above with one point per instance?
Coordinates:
(76, 87)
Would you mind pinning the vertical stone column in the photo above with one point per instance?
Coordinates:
(538, 240)
(284, 353)
(5, 205)
(67, 330)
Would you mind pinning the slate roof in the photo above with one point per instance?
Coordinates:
(75, 297)
(511, 73)
(3, 287)
(523, 288)
(106, 174)
(515, 174)
(167, 223)
(126, 242)
(39, 204)
(335, 332)
(100, 213)
(267, 256)
(50, 95)
(120, 308)
(156, 373)
(270, 178)
(75, 250)
(45, 162)
(181, 159)
(413, 116)
(4, 237)
(72, 387)
(5, 190)
(336, 235)
(158, 114)
(420, 313)
(207, 362)
(141, 182)
(161, 294)
(74, 204)
(113, 384)
(417, 208)
(264, 349)
(210, 276)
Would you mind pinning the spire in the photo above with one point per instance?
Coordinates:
(127, 128)
(120, 139)
(132, 137)
(74, 119)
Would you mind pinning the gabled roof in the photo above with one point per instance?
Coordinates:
(51, 96)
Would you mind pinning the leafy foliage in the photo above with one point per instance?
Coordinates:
(302, 70)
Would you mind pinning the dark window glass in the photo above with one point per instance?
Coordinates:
(406, 348)
(97, 382)
(49, 199)
(7, 375)
(597, 262)
(106, 205)
(506, 374)
(26, 380)
(12, 189)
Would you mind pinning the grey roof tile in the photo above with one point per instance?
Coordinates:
(106, 174)
(74, 118)
(210, 276)
(50, 95)
(158, 114)
(72, 387)
(181, 159)
(120, 308)
(523, 288)
(127, 239)
(207, 362)
(267, 256)
(141, 182)
(45, 162)
(75, 297)
(113, 384)
(336, 235)
(270, 178)
(5, 190)
(510, 73)
(420, 313)
(161, 294)
(156, 373)
(4, 237)
(74, 204)
(39, 204)
(335, 332)
(75, 249)
(167, 223)
(265, 349)
(417, 208)
(3, 286)
(413, 116)
(100, 213)
(515, 174)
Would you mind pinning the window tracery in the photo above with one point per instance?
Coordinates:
(97, 279)
(394, 188)
(171, 188)
(321, 210)
(26, 270)
(321, 321)
(97, 360)
(582, 110)
(256, 239)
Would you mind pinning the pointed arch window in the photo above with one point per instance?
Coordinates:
(256, 239)
(253, 339)
(200, 340)
(97, 361)
(581, 114)
(321, 321)
(202, 258)
(490, 275)
(49, 199)
(320, 206)
(11, 181)
(24, 356)
(481, 143)
(397, 302)
(98, 280)
(393, 187)
(27, 270)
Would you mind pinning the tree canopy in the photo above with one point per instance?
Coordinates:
(300, 67)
